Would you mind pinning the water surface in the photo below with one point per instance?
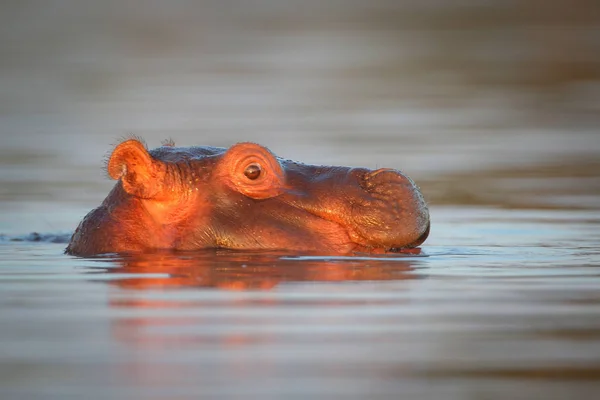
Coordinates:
(498, 303)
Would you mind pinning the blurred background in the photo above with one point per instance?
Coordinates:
(493, 107)
(492, 103)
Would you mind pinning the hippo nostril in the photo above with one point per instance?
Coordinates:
(379, 171)
(383, 177)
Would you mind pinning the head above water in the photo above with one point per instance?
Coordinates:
(244, 197)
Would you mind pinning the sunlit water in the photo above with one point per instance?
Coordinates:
(498, 303)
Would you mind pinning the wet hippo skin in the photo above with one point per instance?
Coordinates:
(244, 197)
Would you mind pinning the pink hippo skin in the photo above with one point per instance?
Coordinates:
(244, 197)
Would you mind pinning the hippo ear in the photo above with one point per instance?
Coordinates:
(140, 174)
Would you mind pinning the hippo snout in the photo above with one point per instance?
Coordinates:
(391, 212)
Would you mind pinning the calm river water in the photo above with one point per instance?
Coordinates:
(502, 302)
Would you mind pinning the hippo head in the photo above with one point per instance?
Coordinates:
(244, 197)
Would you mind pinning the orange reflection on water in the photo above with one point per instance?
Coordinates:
(174, 305)
(258, 271)
(229, 271)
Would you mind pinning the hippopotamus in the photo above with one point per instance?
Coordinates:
(246, 198)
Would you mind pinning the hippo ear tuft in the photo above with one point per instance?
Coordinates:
(132, 164)
(168, 142)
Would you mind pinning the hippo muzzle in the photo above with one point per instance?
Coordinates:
(379, 209)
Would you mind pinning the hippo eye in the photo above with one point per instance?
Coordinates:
(252, 171)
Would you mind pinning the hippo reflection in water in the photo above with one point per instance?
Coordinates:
(244, 197)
